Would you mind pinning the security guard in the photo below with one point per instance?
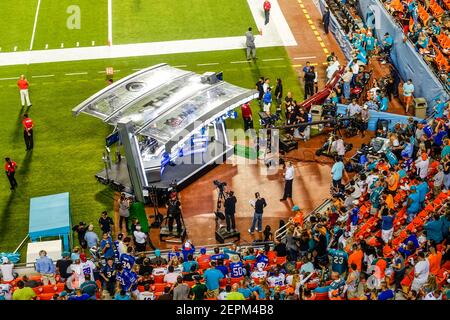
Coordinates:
(10, 169)
(28, 131)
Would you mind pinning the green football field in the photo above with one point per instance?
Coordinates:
(68, 150)
(84, 23)
(162, 20)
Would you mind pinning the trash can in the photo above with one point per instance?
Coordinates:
(420, 108)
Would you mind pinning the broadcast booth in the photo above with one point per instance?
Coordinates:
(169, 123)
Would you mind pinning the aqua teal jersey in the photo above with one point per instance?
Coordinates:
(370, 43)
(339, 260)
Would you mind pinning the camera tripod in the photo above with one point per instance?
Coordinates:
(166, 233)
(153, 195)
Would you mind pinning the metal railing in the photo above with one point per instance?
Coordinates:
(281, 232)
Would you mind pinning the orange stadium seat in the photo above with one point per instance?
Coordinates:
(49, 288)
(45, 296)
(159, 279)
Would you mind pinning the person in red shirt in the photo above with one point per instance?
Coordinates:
(247, 116)
(10, 169)
(23, 89)
(28, 131)
(267, 7)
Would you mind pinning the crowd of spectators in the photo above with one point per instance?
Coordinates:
(427, 24)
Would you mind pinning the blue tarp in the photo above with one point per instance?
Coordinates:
(408, 62)
(49, 217)
(337, 32)
(375, 115)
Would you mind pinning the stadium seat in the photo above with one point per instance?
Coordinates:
(49, 289)
(37, 290)
(159, 287)
(159, 279)
(322, 296)
(60, 287)
(45, 296)
(236, 280)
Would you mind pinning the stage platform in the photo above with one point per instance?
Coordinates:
(183, 172)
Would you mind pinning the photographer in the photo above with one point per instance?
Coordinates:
(174, 212)
(230, 210)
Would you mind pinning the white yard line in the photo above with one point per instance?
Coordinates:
(208, 64)
(13, 78)
(304, 58)
(274, 59)
(242, 61)
(75, 73)
(35, 24)
(110, 22)
(44, 76)
(180, 66)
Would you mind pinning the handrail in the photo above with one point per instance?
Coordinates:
(281, 232)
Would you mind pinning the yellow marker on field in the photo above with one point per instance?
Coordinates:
(319, 38)
(296, 65)
(316, 33)
(313, 27)
(310, 21)
(322, 44)
(305, 11)
(326, 51)
(307, 16)
(302, 6)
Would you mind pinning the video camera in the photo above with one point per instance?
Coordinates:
(220, 185)
(268, 120)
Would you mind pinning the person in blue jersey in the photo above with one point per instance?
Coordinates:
(261, 259)
(339, 259)
(236, 267)
(127, 259)
(375, 198)
(220, 266)
(219, 255)
(127, 279)
(188, 248)
(106, 246)
(108, 274)
(79, 296)
(174, 252)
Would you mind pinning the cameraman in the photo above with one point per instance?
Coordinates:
(174, 212)
(230, 210)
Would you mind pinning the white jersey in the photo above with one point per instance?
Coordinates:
(259, 274)
(5, 291)
(276, 280)
(88, 267)
(159, 271)
(146, 295)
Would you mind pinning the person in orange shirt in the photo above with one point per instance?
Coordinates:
(203, 259)
(28, 131)
(434, 259)
(356, 257)
(10, 170)
(23, 90)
